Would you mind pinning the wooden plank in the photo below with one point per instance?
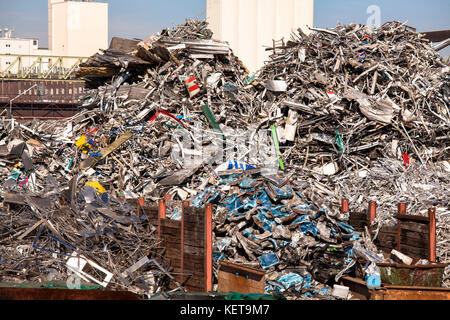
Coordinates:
(91, 161)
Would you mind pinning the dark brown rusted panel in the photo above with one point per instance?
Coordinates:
(63, 294)
(194, 249)
(236, 278)
(437, 36)
(410, 294)
(46, 92)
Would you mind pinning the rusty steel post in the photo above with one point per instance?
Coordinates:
(208, 249)
(141, 203)
(432, 234)
(401, 210)
(162, 214)
(344, 206)
(167, 197)
(184, 204)
(372, 213)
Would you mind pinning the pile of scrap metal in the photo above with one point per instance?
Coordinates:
(350, 112)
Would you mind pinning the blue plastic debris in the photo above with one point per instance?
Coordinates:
(283, 193)
(176, 215)
(373, 282)
(309, 227)
(347, 229)
(197, 202)
(239, 165)
(304, 207)
(217, 257)
(248, 234)
(246, 183)
(96, 155)
(268, 260)
(274, 242)
(326, 291)
(290, 280)
(301, 195)
(222, 244)
(214, 197)
(355, 236)
(263, 222)
(249, 204)
(299, 220)
(231, 203)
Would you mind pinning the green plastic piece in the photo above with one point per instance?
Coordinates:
(15, 174)
(277, 146)
(70, 164)
(339, 142)
(251, 79)
(212, 121)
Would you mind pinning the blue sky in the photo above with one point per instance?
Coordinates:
(141, 18)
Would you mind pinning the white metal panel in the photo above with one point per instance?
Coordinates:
(251, 25)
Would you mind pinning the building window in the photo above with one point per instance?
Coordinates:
(57, 91)
(51, 91)
(70, 91)
(62, 91)
(34, 42)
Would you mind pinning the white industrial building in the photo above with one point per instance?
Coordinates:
(250, 25)
(75, 29)
(18, 46)
(80, 28)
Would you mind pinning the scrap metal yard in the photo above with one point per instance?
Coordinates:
(176, 172)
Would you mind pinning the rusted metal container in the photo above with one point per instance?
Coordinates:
(412, 275)
(360, 291)
(236, 278)
(410, 293)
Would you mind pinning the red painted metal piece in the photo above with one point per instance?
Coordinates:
(432, 234)
(406, 159)
(164, 112)
(208, 249)
(344, 206)
(372, 213)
